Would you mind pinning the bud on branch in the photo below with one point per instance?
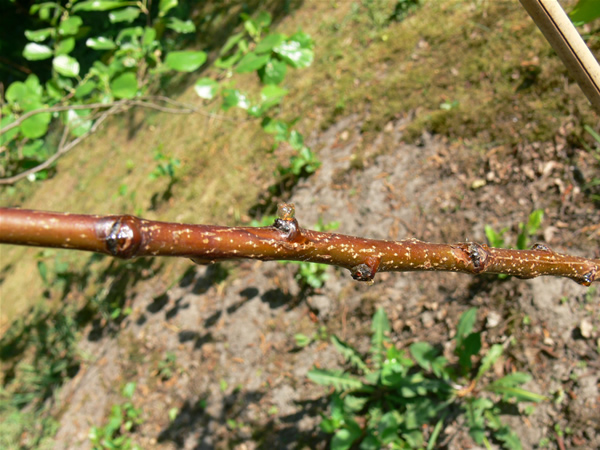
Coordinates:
(130, 237)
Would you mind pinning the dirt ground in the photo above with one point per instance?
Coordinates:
(233, 338)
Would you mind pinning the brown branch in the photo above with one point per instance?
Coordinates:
(129, 237)
(144, 102)
(62, 149)
(108, 109)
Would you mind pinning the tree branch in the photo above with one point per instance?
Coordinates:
(108, 110)
(129, 237)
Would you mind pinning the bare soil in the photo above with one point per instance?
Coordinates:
(241, 381)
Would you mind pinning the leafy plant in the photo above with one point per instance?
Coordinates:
(123, 419)
(97, 72)
(390, 399)
(101, 52)
(165, 167)
(303, 340)
(167, 367)
(526, 230)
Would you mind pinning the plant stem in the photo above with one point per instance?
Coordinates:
(129, 237)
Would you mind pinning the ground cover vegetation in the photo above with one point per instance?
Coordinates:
(251, 85)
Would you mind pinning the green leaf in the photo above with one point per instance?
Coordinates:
(489, 359)
(84, 89)
(149, 36)
(337, 378)
(343, 439)
(379, 326)
(130, 33)
(424, 354)
(23, 94)
(33, 150)
(271, 95)
(124, 86)
(269, 42)
(10, 134)
(518, 394)
(36, 52)
(303, 38)
(39, 35)
(54, 90)
(276, 127)
(33, 84)
(78, 121)
(70, 26)
(165, 6)
(206, 88)
(494, 239)
(65, 46)
(388, 427)
(43, 271)
(98, 5)
(349, 354)
(66, 65)
(465, 325)
(180, 26)
(354, 404)
(128, 15)
(302, 340)
(233, 97)
(185, 61)
(273, 72)
(585, 11)
(100, 43)
(129, 389)
(535, 220)
(470, 346)
(293, 53)
(296, 140)
(45, 9)
(36, 126)
(263, 19)
(251, 62)
(226, 63)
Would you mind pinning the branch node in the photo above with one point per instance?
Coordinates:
(124, 237)
(477, 254)
(367, 270)
(587, 278)
(541, 247)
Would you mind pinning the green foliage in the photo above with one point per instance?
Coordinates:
(38, 354)
(303, 340)
(93, 61)
(167, 367)
(526, 231)
(165, 167)
(127, 58)
(396, 400)
(584, 12)
(123, 419)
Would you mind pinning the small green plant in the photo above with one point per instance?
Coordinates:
(390, 399)
(303, 340)
(165, 166)
(167, 367)
(526, 231)
(123, 419)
